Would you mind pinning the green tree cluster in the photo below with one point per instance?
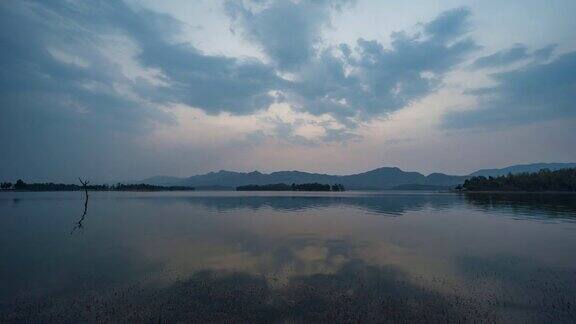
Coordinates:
(6, 185)
(50, 186)
(543, 180)
(338, 187)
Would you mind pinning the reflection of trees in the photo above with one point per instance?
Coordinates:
(393, 204)
(530, 205)
(534, 205)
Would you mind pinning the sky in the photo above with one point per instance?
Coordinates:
(124, 90)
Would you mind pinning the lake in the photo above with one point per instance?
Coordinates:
(287, 257)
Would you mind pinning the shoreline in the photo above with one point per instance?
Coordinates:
(352, 190)
(511, 192)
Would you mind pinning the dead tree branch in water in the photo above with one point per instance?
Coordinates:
(85, 186)
(79, 223)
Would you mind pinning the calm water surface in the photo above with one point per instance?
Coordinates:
(285, 257)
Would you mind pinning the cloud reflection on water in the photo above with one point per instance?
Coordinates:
(269, 257)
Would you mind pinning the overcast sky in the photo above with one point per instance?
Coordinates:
(112, 90)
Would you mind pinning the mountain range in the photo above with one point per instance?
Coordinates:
(381, 178)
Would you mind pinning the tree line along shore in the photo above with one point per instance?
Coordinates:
(49, 186)
(292, 187)
(563, 180)
(23, 186)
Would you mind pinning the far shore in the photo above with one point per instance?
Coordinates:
(511, 192)
(351, 190)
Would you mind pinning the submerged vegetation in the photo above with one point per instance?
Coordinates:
(543, 180)
(49, 186)
(293, 187)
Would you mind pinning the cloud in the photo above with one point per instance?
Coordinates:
(352, 84)
(68, 95)
(533, 92)
(449, 24)
(339, 135)
(379, 80)
(504, 57)
(82, 78)
(512, 55)
(287, 31)
(544, 53)
(68, 105)
(371, 80)
(53, 64)
(61, 105)
(212, 83)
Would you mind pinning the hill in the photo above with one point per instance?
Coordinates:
(377, 179)
(381, 178)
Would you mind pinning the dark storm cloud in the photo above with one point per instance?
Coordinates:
(534, 92)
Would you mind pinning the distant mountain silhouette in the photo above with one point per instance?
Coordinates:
(381, 178)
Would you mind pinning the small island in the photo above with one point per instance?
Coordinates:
(544, 180)
(293, 187)
(49, 186)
